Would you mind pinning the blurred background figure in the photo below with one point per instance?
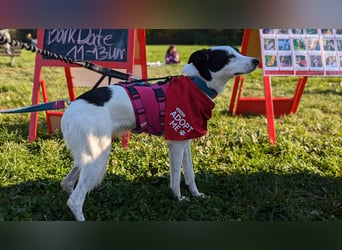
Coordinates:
(33, 41)
(172, 55)
(5, 33)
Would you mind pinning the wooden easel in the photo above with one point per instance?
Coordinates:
(267, 105)
(135, 64)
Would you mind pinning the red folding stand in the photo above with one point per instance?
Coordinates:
(136, 57)
(269, 106)
(54, 117)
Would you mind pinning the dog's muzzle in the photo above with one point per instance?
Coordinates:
(254, 64)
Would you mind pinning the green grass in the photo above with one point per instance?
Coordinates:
(299, 178)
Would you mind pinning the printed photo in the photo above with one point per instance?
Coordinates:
(298, 31)
(269, 44)
(330, 61)
(271, 60)
(312, 31)
(338, 31)
(316, 61)
(284, 44)
(301, 61)
(327, 32)
(313, 44)
(268, 31)
(285, 61)
(339, 44)
(328, 45)
(282, 31)
(299, 44)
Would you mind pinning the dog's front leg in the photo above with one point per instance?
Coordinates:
(176, 152)
(189, 172)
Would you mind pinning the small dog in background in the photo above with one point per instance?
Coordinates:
(91, 121)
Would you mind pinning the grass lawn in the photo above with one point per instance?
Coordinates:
(298, 179)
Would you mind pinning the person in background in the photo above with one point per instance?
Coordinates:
(32, 40)
(5, 33)
(172, 55)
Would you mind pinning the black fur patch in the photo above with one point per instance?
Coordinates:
(218, 60)
(206, 59)
(98, 96)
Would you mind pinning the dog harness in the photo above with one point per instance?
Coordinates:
(178, 107)
(149, 101)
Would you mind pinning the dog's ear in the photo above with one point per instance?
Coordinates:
(200, 59)
(218, 59)
(206, 59)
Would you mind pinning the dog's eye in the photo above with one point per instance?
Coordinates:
(231, 56)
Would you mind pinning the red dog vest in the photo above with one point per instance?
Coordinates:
(179, 109)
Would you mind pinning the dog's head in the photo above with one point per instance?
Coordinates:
(218, 64)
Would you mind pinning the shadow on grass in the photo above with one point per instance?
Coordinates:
(248, 115)
(17, 128)
(323, 92)
(247, 197)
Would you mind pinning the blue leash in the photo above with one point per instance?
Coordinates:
(60, 104)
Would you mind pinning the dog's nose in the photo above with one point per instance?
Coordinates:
(255, 61)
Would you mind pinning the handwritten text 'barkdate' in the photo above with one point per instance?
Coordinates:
(95, 43)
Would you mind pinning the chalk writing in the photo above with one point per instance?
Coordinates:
(88, 44)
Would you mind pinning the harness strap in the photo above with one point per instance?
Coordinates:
(161, 99)
(140, 111)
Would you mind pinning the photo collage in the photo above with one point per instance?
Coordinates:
(301, 51)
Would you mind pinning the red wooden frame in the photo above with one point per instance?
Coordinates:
(133, 58)
(270, 106)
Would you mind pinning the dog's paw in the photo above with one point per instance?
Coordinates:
(76, 210)
(183, 198)
(66, 188)
(203, 196)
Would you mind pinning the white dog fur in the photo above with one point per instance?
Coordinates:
(88, 129)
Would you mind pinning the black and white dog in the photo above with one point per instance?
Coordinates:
(91, 121)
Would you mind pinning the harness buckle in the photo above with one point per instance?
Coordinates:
(135, 96)
(140, 111)
(161, 99)
(134, 93)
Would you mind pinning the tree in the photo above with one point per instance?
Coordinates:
(194, 36)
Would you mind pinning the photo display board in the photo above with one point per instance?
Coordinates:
(304, 52)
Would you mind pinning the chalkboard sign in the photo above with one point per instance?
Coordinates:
(88, 44)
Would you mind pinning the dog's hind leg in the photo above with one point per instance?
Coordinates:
(91, 174)
(176, 149)
(69, 181)
(189, 172)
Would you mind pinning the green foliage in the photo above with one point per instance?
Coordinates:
(197, 36)
(299, 178)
